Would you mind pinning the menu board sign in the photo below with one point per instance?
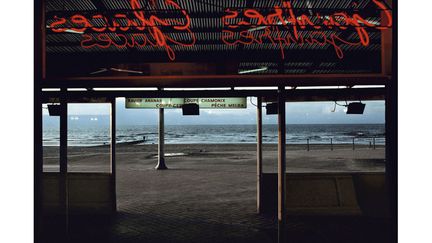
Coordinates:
(170, 103)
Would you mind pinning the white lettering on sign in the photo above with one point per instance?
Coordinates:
(171, 103)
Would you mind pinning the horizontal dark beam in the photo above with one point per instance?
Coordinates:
(333, 94)
(353, 58)
(293, 95)
(218, 81)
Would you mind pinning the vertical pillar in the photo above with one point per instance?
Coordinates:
(38, 164)
(161, 152)
(391, 146)
(39, 75)
(281, 166)
(63, 182)
(391, 126)
(113, 153)
(259, 154)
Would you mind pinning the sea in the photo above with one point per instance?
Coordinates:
(213, 134)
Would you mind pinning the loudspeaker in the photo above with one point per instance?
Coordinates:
(356, 108)
(272, 108)
(54, 110)
(190, 109)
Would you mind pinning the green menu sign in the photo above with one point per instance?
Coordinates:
(169, 103)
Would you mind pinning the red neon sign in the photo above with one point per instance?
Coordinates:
(151, 28)
(284, 19)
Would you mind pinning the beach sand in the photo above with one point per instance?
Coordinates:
(320, 158)
(209, 193)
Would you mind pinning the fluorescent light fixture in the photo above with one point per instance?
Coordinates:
(195, 89)
(258, 28)
(342, 87)
(125, 70)
(368, 86)
(309, 6)
(374, 22)
(74, 31)
(51, 89)
(277, 23)
(321, 87)
(125, 89)
(69, 31)
(256, 88)
(253, 70)
(99, 71)
(265, 26)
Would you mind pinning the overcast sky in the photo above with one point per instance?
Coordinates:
(297, 113)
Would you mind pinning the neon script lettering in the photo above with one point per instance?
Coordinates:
(283, 28)
(148, 29)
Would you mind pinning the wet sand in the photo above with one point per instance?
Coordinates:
(320, 158)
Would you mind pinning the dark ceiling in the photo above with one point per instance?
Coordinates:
(66, 55)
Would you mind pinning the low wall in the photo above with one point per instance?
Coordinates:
(328, 194)
(372, 194)
(88, 193)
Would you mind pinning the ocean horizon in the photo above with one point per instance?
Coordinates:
(99, 134)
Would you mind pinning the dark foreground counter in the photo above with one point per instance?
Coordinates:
(328, 194)
(307, 194)
(88, 193)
